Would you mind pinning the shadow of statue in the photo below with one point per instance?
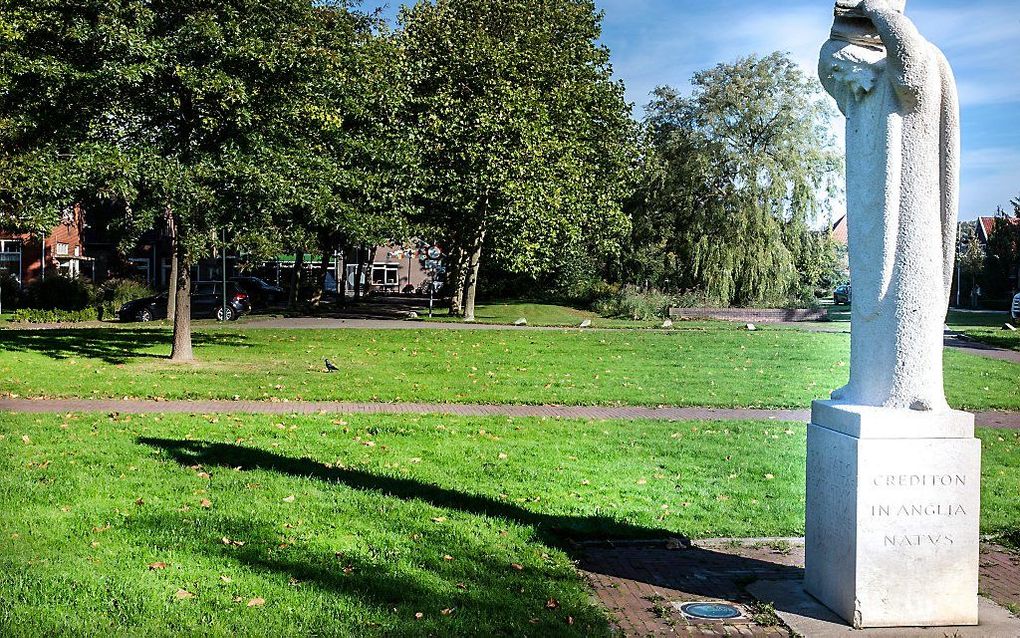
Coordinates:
(598, 544)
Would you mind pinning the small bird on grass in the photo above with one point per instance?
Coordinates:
(330, 367)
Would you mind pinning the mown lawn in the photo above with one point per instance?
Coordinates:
(715, 365)
(539, 314)
(219, 525)
(986, 327)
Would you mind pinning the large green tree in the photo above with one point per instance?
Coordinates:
(525, 139)
(183, 112)
(1001, 278)
(733, 177)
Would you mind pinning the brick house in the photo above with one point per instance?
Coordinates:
(29, 257)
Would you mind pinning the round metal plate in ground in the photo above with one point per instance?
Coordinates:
(710, 611)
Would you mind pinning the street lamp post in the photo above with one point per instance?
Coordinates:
(224, 255)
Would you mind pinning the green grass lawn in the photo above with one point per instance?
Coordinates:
(539, 314)
(222, 525)
(986, 327)
(719, 365)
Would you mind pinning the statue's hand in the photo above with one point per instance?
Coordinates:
(870, 7)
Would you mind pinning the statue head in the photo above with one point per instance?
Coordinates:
(852, 8)
(851, 24)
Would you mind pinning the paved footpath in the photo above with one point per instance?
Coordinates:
(997, 420)
(642, 583)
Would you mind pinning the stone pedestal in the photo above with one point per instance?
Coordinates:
(893, 504)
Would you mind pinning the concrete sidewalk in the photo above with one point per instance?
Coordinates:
(997, 420)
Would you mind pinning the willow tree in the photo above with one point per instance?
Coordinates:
(735, 174)
(525, 140)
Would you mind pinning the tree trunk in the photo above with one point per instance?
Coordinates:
(341, 273)
(457, 280)
(295, 279)
(171, 289)
(358, 285)
(324, 264)
(471, 287)
(182, 351)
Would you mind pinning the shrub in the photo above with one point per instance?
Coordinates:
(633, 303)
(60, 293)
(10, 291)
(34, 315)
(116, 292)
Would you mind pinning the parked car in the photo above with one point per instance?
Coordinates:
(843, 295)
(261, 292)
(1014, 310)
(206, 301)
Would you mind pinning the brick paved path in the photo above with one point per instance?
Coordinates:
(638, 582)
(998, 420)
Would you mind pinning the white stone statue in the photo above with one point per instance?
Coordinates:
(899, 97)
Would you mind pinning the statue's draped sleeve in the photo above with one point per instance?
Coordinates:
(909, 53)
(911, 58)
(949, 148)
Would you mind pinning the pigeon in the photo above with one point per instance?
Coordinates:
(330, 367)
(667, 324)
(586, 323)
(751, 327)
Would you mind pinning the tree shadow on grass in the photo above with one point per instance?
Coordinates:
(114, 346)
(386, 592)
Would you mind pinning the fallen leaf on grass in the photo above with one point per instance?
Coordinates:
(517, 566)
(552, 603)
(139, 502)
(26, 440)
(447, 557)
(288, 499)
(419, 615)
(227, 541)
(226, 579)
(447, 611)
(438, 519)
(158, 565)
(256, 602)
(183, 594)
(206, 503)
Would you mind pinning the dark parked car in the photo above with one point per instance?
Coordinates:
(206, 301)
(843, 295)
(261, 292)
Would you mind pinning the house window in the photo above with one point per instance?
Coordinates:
(384, 274)
(10, 257)
(10, 246)
(63, 249)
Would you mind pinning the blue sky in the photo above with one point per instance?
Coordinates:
(657, 42)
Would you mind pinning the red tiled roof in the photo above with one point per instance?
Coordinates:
(839, 230)
(986, 226)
